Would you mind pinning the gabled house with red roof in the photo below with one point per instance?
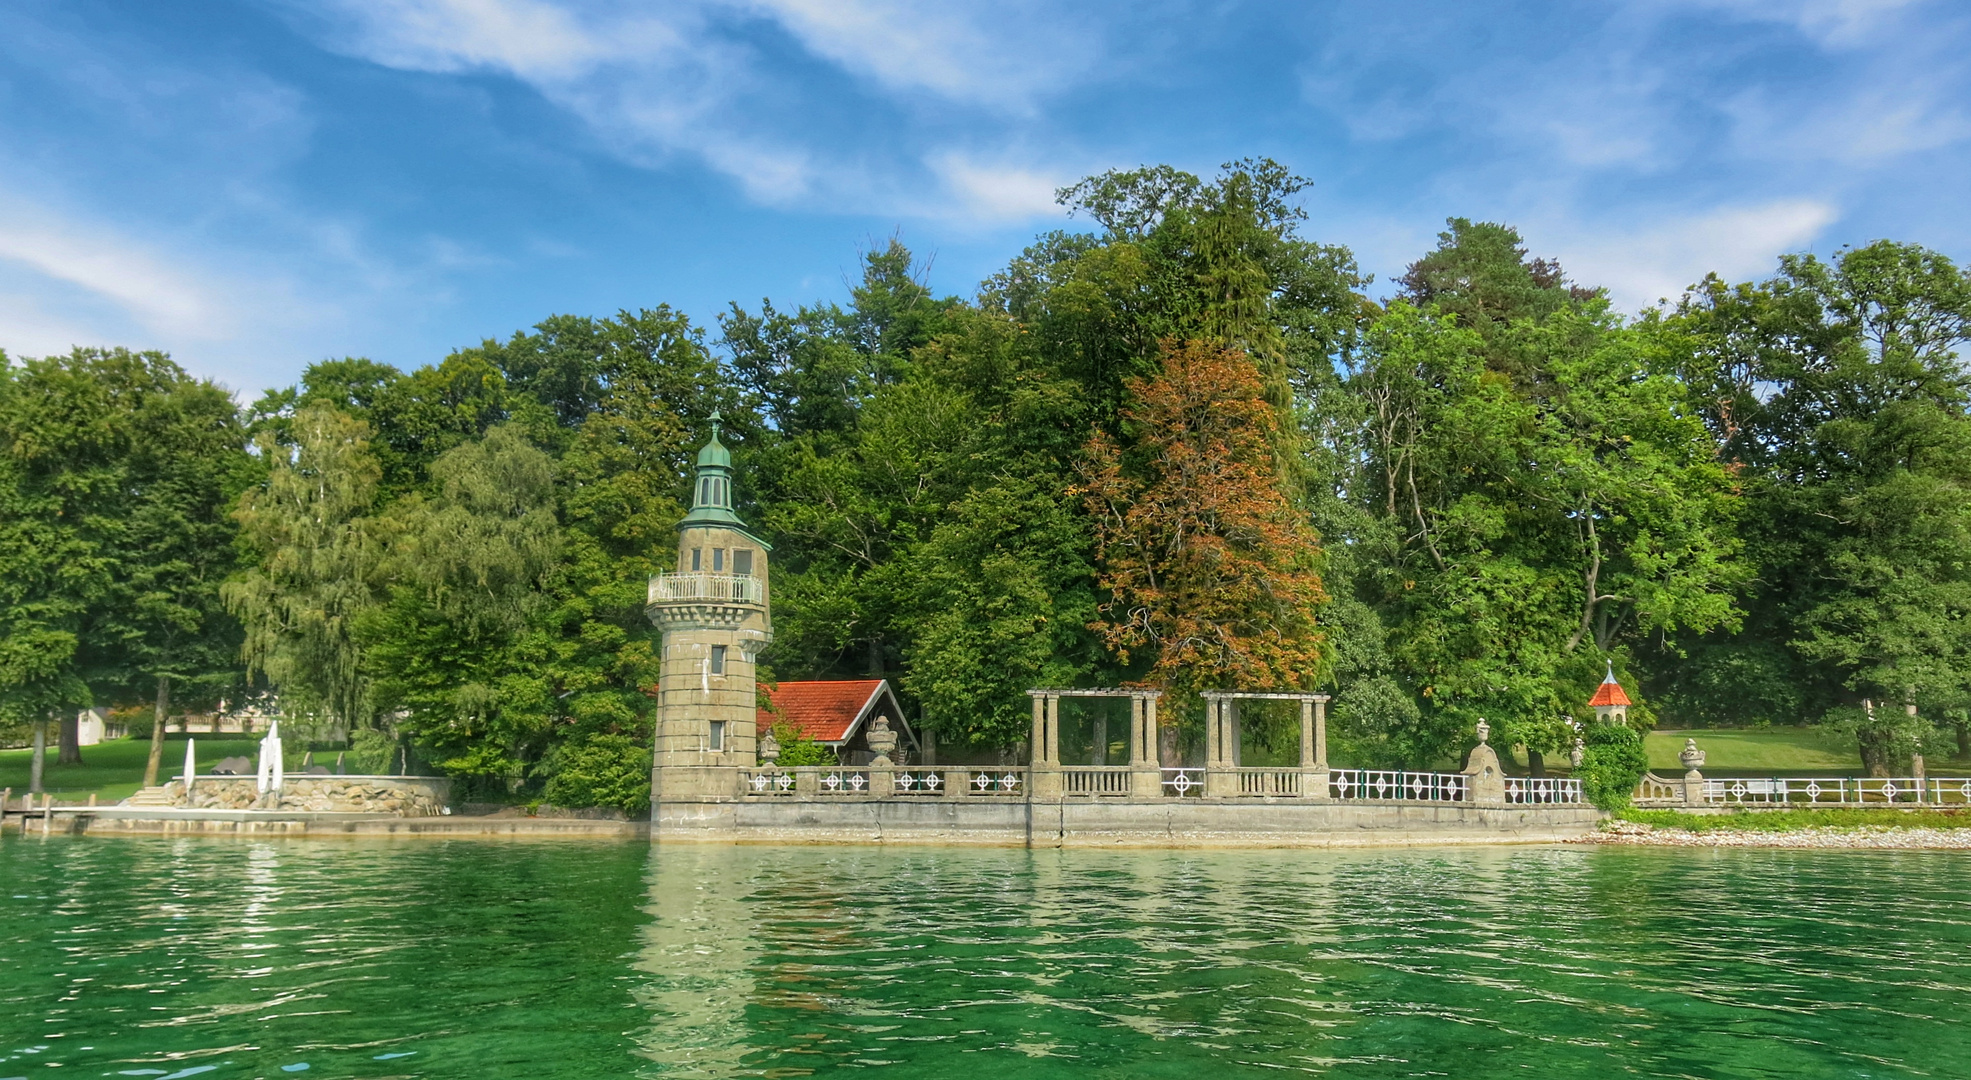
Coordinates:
(837, 713)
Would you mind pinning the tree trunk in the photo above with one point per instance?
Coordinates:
(156, 760)
(1101, 756)
(38, 758)
(1536, 762)
(70, 752)
(1964, 740)
(875, 658)
(1874, 747)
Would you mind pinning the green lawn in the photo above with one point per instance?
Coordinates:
(114, 770)
(1770, 752)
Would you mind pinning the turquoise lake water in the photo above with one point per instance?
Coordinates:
(235, 959)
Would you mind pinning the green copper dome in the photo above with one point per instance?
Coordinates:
(715, 455)
(711, 492)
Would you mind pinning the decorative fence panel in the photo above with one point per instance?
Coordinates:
(1542, 790)
(1284, 782)
(843, 782)
(922, 782)
(994, 782)
(769, 782)
(1396, 784)
(1184, 783)
(1095, 781)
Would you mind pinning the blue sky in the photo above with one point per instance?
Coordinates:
(253, 185)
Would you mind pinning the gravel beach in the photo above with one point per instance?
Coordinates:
(1629, 832)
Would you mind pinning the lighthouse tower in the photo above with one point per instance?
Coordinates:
(715, 621)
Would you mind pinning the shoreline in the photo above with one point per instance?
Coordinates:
(1821, 837)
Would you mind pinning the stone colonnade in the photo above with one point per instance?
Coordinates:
(1221, 774)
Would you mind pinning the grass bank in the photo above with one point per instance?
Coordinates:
(1797, 820)
(115, 770)
(1754, 751)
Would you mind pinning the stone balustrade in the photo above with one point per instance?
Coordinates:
(1134, 784)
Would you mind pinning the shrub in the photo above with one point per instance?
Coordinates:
(1611, 764)
(373, 752)
(798, 749)
(601, 770)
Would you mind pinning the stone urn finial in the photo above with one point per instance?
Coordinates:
(769, 748)
(1692, 757)
(882, 740)
(1578, 753)
(1484, 730)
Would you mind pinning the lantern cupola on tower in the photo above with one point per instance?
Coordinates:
(1611, 703)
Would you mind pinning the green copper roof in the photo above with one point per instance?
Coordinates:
(711, 490)
(714, 454)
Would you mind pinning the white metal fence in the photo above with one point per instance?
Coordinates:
(1839, 791)
(825, 781)
(1541, 790)
(1183, 783)
(1396, 784)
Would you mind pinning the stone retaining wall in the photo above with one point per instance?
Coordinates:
(1098, 823)
(403, 796)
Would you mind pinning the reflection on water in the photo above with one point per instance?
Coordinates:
(172, 959)
(1467, 962)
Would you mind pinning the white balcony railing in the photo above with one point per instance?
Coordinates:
(718, 588)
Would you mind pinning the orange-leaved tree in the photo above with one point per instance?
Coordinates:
(1207, 565)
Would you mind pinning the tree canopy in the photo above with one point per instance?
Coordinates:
(1182, 447)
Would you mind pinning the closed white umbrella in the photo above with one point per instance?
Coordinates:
(276, 768)
(191, 767)
(261, 774)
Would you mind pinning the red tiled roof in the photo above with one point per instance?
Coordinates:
(822, 711)
(1608, 693)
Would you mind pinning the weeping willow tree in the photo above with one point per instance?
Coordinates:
(318, 571)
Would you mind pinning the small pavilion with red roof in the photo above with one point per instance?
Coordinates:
(1611, 703)
(837, 714)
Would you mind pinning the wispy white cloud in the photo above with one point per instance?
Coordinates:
(997, 192)
(1658, 261)
(1000, 54)
(154, 290)
(690, 82)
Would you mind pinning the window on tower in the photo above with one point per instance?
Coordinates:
(697, 558)
(742, 562)
(718, 560)
(718, 659)
(718, 735)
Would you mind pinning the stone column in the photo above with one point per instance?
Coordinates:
(1313, 753)
(1145, 779)
(1037, 745)
(1054, 729)
(1044, 782)
(1220, 780)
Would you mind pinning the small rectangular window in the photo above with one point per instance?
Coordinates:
(742, 562)
(718, 735)
(718, 659)
(718, 560)
(697, 558)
